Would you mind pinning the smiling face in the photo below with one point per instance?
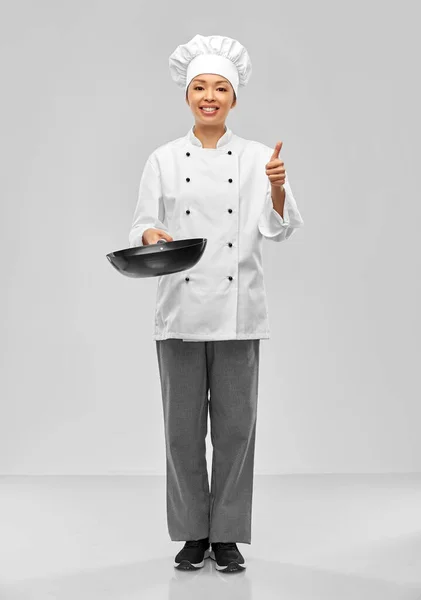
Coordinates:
(210, 90)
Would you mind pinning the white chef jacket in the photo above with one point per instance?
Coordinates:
(224, 195)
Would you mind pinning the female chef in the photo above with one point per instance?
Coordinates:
(213, 184)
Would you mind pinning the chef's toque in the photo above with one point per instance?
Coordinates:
(216, 54)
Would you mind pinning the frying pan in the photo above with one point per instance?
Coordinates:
(161, 258)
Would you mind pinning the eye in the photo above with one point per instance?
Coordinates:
(199, 86)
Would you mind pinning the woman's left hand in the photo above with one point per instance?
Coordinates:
(275, 168)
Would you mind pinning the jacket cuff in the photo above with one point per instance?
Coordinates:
(135, 237)
(271, 223)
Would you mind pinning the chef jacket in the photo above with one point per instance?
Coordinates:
(224, 195)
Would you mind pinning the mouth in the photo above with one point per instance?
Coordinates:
(213, 110)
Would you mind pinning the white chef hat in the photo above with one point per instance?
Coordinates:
(212, 54)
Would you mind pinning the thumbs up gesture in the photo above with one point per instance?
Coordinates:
(275, 168)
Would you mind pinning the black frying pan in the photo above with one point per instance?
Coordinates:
(161, 258)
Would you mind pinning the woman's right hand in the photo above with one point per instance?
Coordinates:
(151, 236)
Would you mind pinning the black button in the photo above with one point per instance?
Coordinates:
(230, 278)
(229, 152)
(187, 212)
(229, 244)
(230, 210)
(187, 153)
(230, 180)
(187, 278)
(187, 178)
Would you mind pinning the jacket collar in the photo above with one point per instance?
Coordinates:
(223, 141)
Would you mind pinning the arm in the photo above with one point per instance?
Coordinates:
(149, 210)
(278, 199)
(280, 216)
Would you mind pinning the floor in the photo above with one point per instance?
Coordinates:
(313, 537)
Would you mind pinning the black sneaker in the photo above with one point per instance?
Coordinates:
(227, 557)
(193, 555)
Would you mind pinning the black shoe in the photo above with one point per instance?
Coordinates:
(227, 556)
(193, 555)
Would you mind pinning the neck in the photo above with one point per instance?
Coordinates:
(209, 136)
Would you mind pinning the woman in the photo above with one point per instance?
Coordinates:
(234, 192)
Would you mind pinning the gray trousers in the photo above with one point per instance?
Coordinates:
(222, 376)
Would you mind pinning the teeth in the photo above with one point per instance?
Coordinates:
(208, 109)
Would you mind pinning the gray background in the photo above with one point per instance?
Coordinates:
(86, 96)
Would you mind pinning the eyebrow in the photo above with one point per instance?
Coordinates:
(203, 81)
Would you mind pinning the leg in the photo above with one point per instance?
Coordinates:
(184, 386)
(233, 367)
